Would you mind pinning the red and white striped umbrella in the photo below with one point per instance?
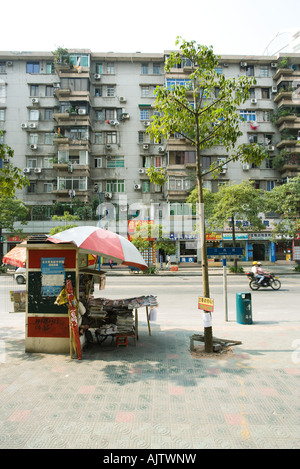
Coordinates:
(104, 243)
(16, 256)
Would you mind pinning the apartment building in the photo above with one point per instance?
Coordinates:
(78, 130)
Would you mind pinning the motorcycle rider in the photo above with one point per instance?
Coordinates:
(260, 273)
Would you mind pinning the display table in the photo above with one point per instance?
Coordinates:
(116, 318)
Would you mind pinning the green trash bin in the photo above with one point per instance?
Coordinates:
(243, 308)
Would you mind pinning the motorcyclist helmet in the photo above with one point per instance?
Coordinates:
(258, 263)
(254, 263)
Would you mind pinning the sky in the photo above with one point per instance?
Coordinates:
(230, 26)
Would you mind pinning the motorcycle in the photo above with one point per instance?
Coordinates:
(269, 281)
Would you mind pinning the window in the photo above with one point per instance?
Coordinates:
(99, 67)
(270, 185)
(156, 69)
(33, 139)
(110, 91)
(219, 70)
(48, 187)
(158, 162)
(2, 114)
(98, 162)
(145, 69)
(49, 90)
(146, 186)
(248, 116)
(34, 114)
(48, 114)
(34, 90)
(98, 138)
(2, 67)
(99, 114)
(264, 71)
(48, 138)
(110, 68)
(98, 91)
(143, 137)
(49, 68)
(2, 90)
(110, 114)
(47, 163)
(66, 183)
(31, 189)
(111, 137)
(265, 93)
(179, 184)
(115, 185)
(172, 82)
(145, 91)
(252, 93)
(250, 71)
(32, 67)
(144, 114)
(31, 163)
(75, 84)
(269, 163)
(115, 162)
(81, 60)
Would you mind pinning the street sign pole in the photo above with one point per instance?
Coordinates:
(224, 253)
(225, 288)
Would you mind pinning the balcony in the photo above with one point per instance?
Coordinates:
(289, 165)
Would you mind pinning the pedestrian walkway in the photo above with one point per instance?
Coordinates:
(156, 395)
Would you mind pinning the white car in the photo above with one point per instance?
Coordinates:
(20, 275)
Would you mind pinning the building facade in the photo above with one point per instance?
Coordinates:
(78, 131)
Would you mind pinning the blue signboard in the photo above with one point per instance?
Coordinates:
(227, 252)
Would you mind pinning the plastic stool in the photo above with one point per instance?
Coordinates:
(121, 340)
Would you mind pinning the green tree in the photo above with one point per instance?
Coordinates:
(210, 119)
(11, 177)
(12, 210)
(284, 200)
(237, 202)
(66, 218)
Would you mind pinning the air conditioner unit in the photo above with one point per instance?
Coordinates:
(161, 149)
(141, 170)
(37, 170)
(33, 146)
(225, 65)
(245, 166)
(26, 170)
(274, 89)
(271, 148)
(223, 171)
(146, 146)
(243, 64)
(81, 112)
(122, 99)
(35, 101)
(33, 126)
(137, 186)
(97, 76)
(24, 125)
(56, 85)
(9, 63)
(108, 195)
(108, 146)
(124, 115)
(273, 65)
(147, 123)
(253, 101)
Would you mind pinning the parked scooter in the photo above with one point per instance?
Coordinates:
(269, 281)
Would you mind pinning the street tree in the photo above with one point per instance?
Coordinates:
(234, 204)
(284, 200)
(11, 177)
(204, 110)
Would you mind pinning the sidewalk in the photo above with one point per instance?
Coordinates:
(155, 396)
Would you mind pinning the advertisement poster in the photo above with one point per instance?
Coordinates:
(53, 275)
